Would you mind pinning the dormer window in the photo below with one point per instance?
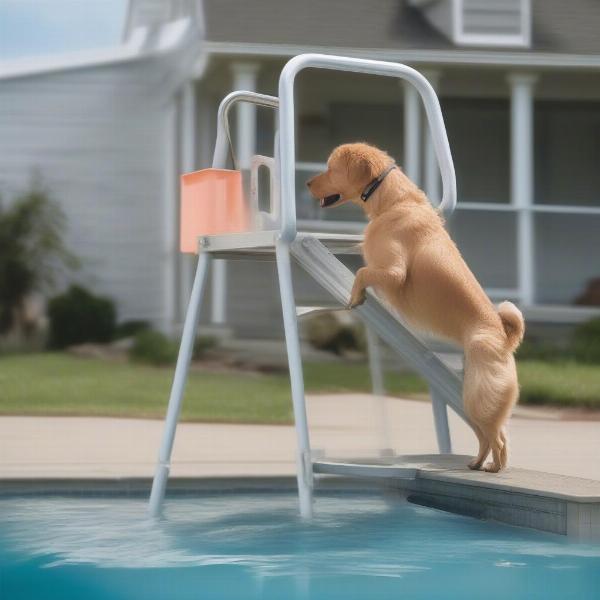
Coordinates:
(480, 22)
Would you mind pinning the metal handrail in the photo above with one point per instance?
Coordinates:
(287, 151)
(223, 142)
(285, 103)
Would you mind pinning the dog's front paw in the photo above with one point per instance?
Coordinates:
(357, 298)
(474, 465)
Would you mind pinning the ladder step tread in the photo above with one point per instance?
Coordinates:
(304, 310)
(356, 469)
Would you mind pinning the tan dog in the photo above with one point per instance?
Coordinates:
(412, 261)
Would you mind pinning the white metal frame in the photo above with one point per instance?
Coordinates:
(186, 347)
(287, 151)
(269, 219)
(445, 385)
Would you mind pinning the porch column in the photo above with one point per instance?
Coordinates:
(244, 78)
(431, 178)
(171, 251)
(189, 132)
(412, 133)
(521, 189)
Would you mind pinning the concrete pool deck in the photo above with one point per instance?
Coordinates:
(341, 426)
(542, 490)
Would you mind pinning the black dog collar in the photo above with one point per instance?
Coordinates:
(370, 189)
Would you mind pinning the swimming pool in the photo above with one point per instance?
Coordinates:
(252, 545)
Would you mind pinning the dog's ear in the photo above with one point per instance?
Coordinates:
(360, 164)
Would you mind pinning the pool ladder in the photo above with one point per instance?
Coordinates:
(316, 254)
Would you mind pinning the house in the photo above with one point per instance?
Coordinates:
(519, 88)
(101, 128)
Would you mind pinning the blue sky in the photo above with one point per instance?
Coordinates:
(41, 27)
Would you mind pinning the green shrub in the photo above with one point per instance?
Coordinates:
(128, 329)
(154, 348)
(585, 343)
(77, 316)
(541, 350)
(32, 252)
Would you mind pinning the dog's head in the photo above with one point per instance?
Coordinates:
(350, 169)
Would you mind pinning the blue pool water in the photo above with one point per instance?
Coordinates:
(244, 546)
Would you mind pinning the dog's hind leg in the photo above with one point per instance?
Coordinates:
(490, 390)
(497, 446)
(504, 452)
(484, 449)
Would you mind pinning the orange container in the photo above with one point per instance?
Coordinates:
(212, 202)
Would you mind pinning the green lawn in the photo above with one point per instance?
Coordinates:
(59, 384)
(559, 383)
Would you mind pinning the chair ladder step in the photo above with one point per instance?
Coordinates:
(305, 310)
(373, 471)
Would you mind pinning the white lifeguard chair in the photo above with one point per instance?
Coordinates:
(218, 223)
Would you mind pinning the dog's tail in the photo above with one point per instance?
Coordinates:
(513, 324)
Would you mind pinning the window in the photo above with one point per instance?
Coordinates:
(479, 135)
(566, 250)
(488, 242)
(381, 125)
(567, 153)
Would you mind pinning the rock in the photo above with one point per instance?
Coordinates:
(335, 331)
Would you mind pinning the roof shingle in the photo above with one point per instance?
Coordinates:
(558, 27)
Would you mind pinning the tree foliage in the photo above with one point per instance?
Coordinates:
(32, 250)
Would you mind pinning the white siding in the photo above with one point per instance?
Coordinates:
(97, 137)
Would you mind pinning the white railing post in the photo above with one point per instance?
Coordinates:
(186, 347)
(304, 472)
(440, 420)
(522, 168)
(378, 390)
